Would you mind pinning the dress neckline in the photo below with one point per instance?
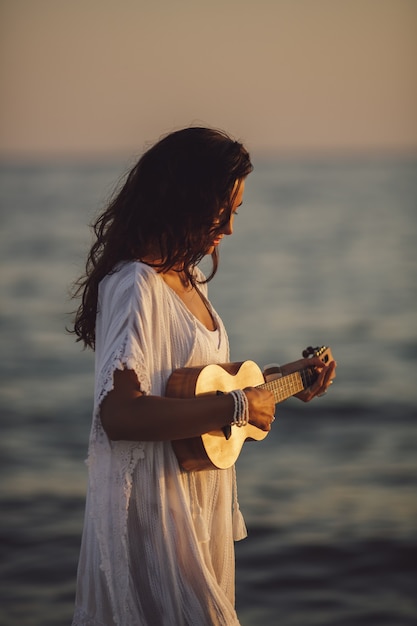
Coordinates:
(204, 300)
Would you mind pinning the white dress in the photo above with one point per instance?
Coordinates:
(157, 546)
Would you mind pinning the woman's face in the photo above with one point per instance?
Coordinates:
(227, 228)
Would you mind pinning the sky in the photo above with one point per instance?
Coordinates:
(102, 77)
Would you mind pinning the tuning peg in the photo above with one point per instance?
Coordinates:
(308, 352)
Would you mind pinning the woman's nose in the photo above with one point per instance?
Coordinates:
(228, 228)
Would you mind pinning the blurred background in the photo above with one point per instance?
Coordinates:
(324, 95)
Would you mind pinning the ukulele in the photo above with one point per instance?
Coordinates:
(219, 449)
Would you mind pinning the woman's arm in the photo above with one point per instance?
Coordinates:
(127, 414)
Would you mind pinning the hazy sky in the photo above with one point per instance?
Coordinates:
(98, 76)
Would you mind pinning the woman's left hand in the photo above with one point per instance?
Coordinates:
(326, 373)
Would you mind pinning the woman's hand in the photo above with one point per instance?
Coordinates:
(261, 407)
(326, 373)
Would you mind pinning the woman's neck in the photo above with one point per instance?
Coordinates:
(177, 280)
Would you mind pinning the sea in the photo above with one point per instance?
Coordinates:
(323, 253)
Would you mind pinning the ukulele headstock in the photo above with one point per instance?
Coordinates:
(323, 353)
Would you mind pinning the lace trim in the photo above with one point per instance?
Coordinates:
(105, 383)
(111, 466)
(118, 361)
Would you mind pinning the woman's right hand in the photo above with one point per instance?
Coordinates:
(261, 407)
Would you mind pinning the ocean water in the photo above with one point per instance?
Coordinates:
(323, 253)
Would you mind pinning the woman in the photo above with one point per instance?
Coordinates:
(157, 546)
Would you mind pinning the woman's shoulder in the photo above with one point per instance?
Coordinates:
(127, 279)
(127, 272)
(132, 285)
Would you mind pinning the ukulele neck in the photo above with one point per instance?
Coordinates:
(287, 386)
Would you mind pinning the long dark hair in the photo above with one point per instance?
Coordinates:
(173, 200)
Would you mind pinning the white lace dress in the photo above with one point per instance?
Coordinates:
(157, 547)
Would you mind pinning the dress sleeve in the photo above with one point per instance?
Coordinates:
(124, 330)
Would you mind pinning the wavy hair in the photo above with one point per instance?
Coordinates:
(173, 201)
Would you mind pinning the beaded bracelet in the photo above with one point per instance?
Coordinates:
(241, 411)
